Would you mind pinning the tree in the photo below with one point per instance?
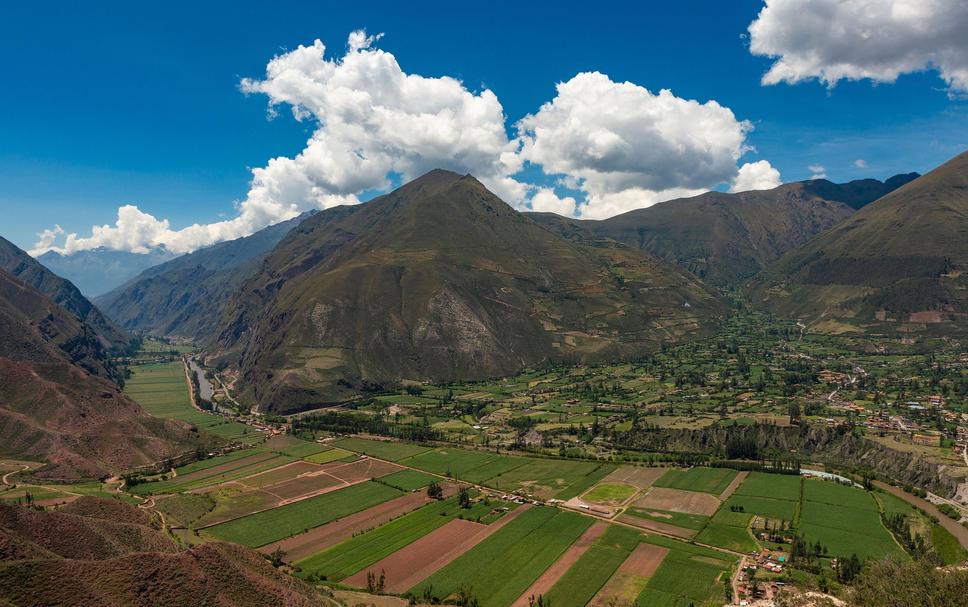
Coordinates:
(435, 491)
(276, 557)
(464, 498)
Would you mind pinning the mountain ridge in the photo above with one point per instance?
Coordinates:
(441, 279)
(725, 238)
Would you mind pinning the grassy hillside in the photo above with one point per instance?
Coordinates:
(726, 238)
(901, 259)
(442, 280)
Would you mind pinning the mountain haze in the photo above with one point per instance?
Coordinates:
(441, 280)
(184, 297)
(98, 271)
(725, 238)
(902, 258)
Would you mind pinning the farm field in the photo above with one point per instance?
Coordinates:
(687, 575)
(679, 519)
(852, 527)
(407, 480)
(631, 578)
(505, 564)
(162, 390)
(271, 525)
(610, 493)
(705, 480)
(388, 450)
(587, 576)
(330, 455)
(361, 551)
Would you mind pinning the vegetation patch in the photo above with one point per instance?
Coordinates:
(705, 480)
(271, 525)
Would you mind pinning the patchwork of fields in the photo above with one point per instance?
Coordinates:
(355, 510)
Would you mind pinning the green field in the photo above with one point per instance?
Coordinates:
(294, 447)
(587, 576)
(610, 493)
(357, 553)
(456, 463)
(706, 480)
(407, 480)
(254, 461)
(773, 486)
(162, 390)
(504, 565)
(727, 536)
(846, 520)
(679, 519)
(271, 525)
(549, 478)
(329, 455)
(388, 450)
(763, 506)
(688, 575)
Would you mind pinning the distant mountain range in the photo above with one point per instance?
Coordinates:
(98, 271)
(184, 297)
(56, 403)
(727, 238)
(442, 280)
(24, 267)
(902, 259)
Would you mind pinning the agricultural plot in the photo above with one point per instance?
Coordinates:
(235, 468)
(705, 480)
(772, 486)
(852, 527)
(643, 478)
(679, 519)
(293, 447)
(162, 390)
(763, 506)
(407, 480)
(358, 553)
(727, 536)
(631, 578)
(678, 500)
(586, 577)
(330, 455)
(504, 565)
(271, 525)
(552, 575)
(688, 575)
(389, 450)
(610, 494)
(456, 463)
(547, 478)
(315, 541)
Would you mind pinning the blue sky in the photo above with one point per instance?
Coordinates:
(137, 103)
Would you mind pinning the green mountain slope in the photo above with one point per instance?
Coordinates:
(442, 280)
(55, 411)
(902, 258)
(726, 238)
(63, 292)
(184, 297)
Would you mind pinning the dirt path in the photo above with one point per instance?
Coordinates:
(733, 486)
(951, 525)
(6, 477)
(551, 575)
(414, 563)
(735, 581)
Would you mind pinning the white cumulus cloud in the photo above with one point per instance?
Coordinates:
(860, 163)
(833, 40)
(372, 119)
(626, 147)
(817, 171)
(759, 175)
(618, 144)
(545, 200)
